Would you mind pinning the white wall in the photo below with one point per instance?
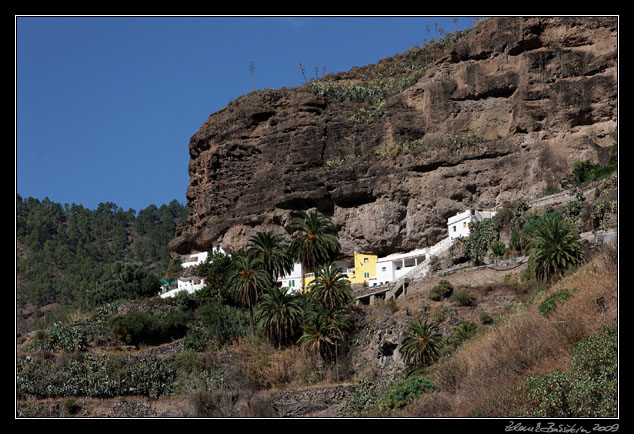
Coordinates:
(194, 259)
(295, 275)
(189, 285)
(458, 225)
(391, 267)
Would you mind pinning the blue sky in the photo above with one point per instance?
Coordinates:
(105, 106)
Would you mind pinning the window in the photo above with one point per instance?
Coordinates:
(366, 275)
(464, 224)
(382, 268)
(454, 228)
(365, 260)
(291, 283)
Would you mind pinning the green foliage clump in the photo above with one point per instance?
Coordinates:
(405, 391)
(127, 280)
(215, 270)
(71, 247)
(366, 397)
(498, 248)
(223, 323)
(553, 300)
(457, 142)
(485, 317)
(463, 298)
(465, 331)
(584, 172)
(442, 290)
(601, 212)
(92, 376)
(422, 343)
(589, 389)
(554, 247)
(481, 235)
(71, 406)
(199, 370)
(138, 328)
(62, 338)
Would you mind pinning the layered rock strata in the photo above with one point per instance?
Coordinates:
(498, 115)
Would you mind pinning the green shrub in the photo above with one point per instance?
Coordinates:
(442, 290)
(465, 331)
(91, 376)
(138, 328)
(71, 406)
(364, 399)
(405, 391)
(224, 323)
(498, 248)
(589, 389)
(197, 339)
(554, 299)
(195, 369)
(485, 318)
(463, 298)
(61, 338)
(133, 328)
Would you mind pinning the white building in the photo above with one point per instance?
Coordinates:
(294, 280)
(188, 284)
(196, 259)
(458, 225)
(390, 268)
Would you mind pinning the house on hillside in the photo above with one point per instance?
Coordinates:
(294, 281)
(391, 267)
(297, 279)
(195, 259)
(364, 268)
(459, 225)
(188, 284)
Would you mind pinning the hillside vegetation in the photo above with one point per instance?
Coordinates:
(64, 252)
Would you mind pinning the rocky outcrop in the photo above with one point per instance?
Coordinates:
(500, 114)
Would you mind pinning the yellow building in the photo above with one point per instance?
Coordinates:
(364, 268)
(307, 278)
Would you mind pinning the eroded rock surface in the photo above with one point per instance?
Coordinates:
(499, 115)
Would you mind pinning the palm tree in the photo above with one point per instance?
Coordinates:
(273, 252)
(246, 280)
(315, 241)
(330, 287)
(465, 331)
(422, 343)
(555, 247)
(278, 313)
(324, 331)
(318, 336)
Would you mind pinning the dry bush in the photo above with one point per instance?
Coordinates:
(476, 380)
(263, 367)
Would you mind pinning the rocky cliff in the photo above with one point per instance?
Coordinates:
(391, 150)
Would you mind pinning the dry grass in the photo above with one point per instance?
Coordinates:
(474, 381)
(262, 366)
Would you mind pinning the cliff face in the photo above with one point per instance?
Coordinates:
(497, 114)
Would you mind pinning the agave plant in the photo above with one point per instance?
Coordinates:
(422, 343)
